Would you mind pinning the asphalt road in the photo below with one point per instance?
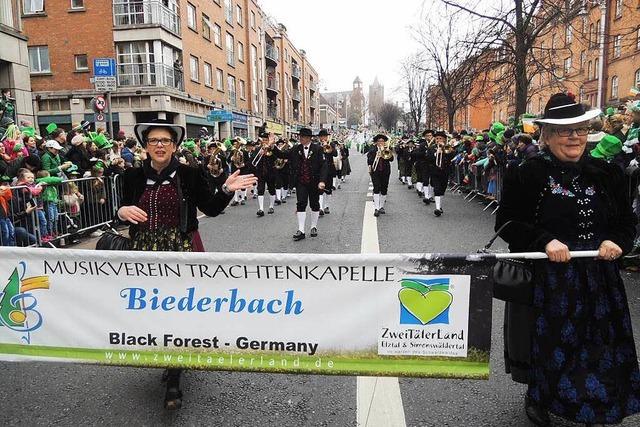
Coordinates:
(57, 394)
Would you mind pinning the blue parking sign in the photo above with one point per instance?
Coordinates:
(104, 67)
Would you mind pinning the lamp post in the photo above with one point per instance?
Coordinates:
(603, 21)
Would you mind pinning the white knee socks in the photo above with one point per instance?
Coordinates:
(409, 180)
(438, 202)
(278, 194)
(419, 186)
(327, 200)
(261, 203)
(383, 200)
(302, 216)
(376, 201)
(272, 200)
(322, 201)
(314, 219)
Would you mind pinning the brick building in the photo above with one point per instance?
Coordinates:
(14, 63)
(176, 59)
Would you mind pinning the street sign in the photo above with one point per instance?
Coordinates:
(99, 117)
(101, 104)
(105, 84)
(220, 116)
(104, 67)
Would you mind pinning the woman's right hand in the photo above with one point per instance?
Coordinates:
(132, 214)
(557, 251)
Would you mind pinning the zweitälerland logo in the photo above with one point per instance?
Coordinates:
(18, 305)
(424, 301)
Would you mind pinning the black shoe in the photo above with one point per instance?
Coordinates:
(298, 236)
(234, 203)
(419, 192)
(278, 202)
(410, 187)
(376, 213)
(426, 201)
(173, 395)
(382, 211)
(283, 200)
(432, 200)
(314, 232)
(538, 415)
(242, 202)
(270, 211)
(321, 212)
(437, 212)
(326, 210)
(260, 213)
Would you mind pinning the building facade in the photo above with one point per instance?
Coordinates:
(14, 59)
(176, 59)
(376, 100)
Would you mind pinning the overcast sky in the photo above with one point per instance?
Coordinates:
(348, 38)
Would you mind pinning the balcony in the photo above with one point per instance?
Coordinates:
(10, 15)
(272, 84)
(295, 71)
(313, 86)
(272, 54)
(295, 95)
(272, 111)
(150, 74)
(127, 14)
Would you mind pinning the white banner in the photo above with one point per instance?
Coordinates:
(329, 314)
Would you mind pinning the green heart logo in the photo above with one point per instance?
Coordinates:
(425, 306)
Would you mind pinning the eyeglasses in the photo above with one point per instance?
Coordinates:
(566, 132)
(159, 141)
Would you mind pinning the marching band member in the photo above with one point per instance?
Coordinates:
(263, 161)
(282, 173)
(443, 154)
(239, 161)
(401, 153)
(311, 174)
(419, 157)
(330, 152)
(346, 166)
(378, 159)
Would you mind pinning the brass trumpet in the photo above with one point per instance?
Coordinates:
(327, 148)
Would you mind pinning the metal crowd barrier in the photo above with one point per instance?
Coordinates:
(474, 182)
(81, 207)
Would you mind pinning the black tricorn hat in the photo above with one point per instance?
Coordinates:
(323, 132)
(305, 132)
(379, 137)
(440, 133)
(562, 109)
(426, 131)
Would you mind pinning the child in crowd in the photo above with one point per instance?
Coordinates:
(28, 194)
(50, 200)
(8, 234)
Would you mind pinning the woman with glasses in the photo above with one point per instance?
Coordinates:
(574, 345)
(159, 203)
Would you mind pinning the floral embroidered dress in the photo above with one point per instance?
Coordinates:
(584, 362)
(161, 231)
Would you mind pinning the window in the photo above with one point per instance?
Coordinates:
(591, 36)
(39, 59)
(618, 9)
(217, 35)
(617, 46)
(638, 39)
(553, 41)
(228, 11)
(77, 4)
(253, 20)
(231, 85)
(136, 65)
(240, 52)
(239, 14)
(206, 27)
(581, 94)
(567, 65)
(81, 62)
(614, 87)
(242, 89)
(191, 16)
(636, 81)
(596, 68)
(230, 48)
(583, 58)
(589, 70)
(219, 79)
(194, 67)
(597, 40)
(33, 6)
(207, 74)
(568, 34)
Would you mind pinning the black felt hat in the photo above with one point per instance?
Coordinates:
(562, 109)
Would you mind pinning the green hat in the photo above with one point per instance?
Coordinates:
(610, 111)
(51, 127)
(608, 147)
(71, 168)
(189, 144)
(479, 138)
(496, 128)
(100, 140)
(500, 138)
(28, 131)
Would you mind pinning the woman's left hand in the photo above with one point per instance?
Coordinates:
(609, 251)
(240, 182)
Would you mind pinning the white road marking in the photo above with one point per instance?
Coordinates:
(379, 402)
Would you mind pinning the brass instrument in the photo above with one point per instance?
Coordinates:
(237, 158)
(215, 166)
(385, 153)
(265, 150)
(327, 148)
(279, 164)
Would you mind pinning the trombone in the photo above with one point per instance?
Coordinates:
(265, 150)
(385, 153)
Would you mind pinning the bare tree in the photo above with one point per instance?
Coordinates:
(416, 82)
(389, 115)
(451, 60)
